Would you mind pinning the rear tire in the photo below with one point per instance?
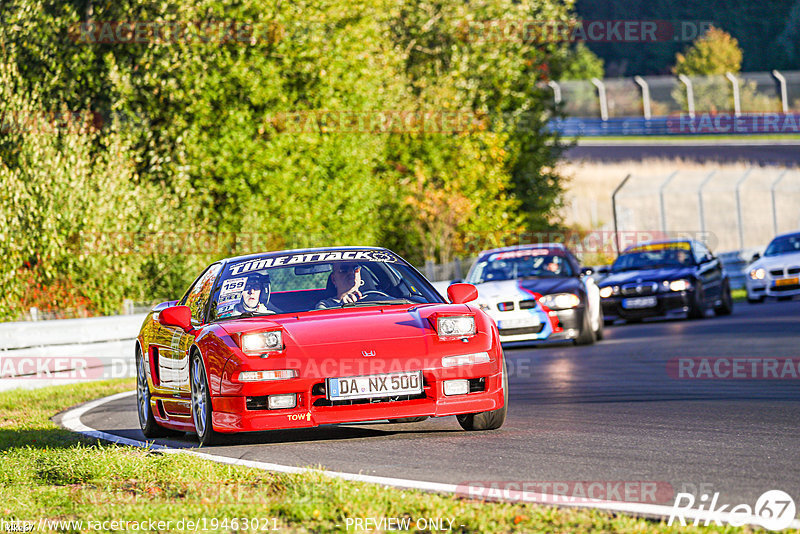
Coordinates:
(147, 421)
(726, 307)
(202, 413)
(487, 420)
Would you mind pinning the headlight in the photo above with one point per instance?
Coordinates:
(465, 359)
(680, 285)
(258, 376)
(758, 274)
(455, 326)
(560, 301)
(262, 342)
(606, 292)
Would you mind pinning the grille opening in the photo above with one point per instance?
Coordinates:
(794, 270)
(505, 306)
(477, 385)
(791, 287)
(257, 403)
(776, 272)
(351, 402)
(261, 403)
(518, 331)
(527, 304)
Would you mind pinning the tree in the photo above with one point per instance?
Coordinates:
(716, 52)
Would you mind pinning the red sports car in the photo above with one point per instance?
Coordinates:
(302, 338)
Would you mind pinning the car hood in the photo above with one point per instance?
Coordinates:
(775, 262)
(648, 275)
(511, 289)
(388, 339)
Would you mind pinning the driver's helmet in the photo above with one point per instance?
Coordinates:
(553, 264)
(261, 282)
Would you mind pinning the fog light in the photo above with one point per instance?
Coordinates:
(456, 387)
(279, 402)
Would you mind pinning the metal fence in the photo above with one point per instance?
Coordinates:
(643, 105)
(735, 210)
(654, 96)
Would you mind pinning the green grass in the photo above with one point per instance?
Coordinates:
(48, 472)
(739, 295)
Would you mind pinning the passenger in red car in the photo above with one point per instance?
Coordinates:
(346, 278)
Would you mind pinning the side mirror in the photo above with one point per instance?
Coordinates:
(462, 293)
(180, 316)
(755, 257)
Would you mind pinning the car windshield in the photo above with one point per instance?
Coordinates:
(303, 282)
(783, 245)
(510, 265)
(667, 255)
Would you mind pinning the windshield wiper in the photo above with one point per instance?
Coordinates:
(248, 314)
(359, 303)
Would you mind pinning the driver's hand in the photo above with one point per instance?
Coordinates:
(353, 295)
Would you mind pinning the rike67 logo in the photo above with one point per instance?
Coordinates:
(774, 510)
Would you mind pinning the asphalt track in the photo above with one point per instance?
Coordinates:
(608, 412)
(763, 154)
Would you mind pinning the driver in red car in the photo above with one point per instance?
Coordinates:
(346, 278)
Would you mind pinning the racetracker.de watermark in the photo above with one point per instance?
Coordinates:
(569, 491)
(728, 123)
(733, 368)
(65, 367)
(592, 31)
(69, 121)
(167, 32)
(591, 242)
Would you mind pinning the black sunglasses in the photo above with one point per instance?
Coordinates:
(347, 268)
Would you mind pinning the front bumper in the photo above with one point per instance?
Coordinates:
(555, 326)
(231, 412)
(674, 303)
(758, 289)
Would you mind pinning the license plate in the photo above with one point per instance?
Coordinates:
(372, 386)
(518, 323)
(787, 282)
(639, 302)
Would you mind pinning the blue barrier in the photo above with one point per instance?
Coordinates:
(701, 124)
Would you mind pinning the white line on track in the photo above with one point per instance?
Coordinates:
(71, 420)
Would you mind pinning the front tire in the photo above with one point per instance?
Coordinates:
(201, 403)
(726, 307)
(147, 421)
(601, 321)
(586, 336)
(697, 309)
(487, 420)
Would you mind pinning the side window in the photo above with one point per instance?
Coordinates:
(198, 296)
(701, 252)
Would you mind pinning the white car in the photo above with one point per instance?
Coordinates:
(777, 273)
(538, 293)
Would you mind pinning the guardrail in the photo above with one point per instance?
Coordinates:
(39, 353)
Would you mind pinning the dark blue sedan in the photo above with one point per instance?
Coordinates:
(665, 279)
